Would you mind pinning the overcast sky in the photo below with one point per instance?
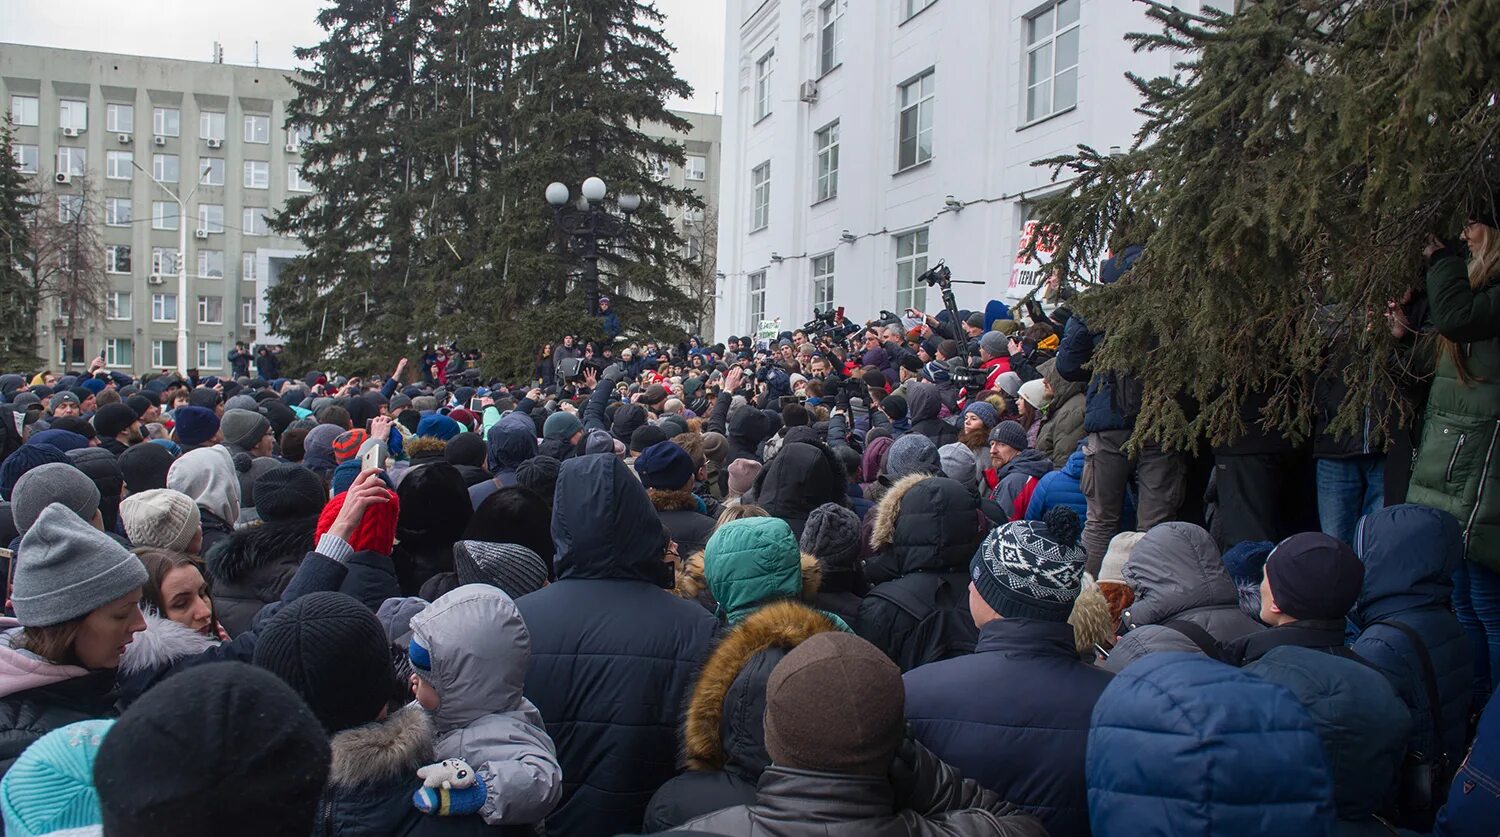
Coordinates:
(188, 29)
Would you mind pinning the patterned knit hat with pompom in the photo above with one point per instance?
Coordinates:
(1030, 569)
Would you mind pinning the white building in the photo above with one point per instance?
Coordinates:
(864, 140)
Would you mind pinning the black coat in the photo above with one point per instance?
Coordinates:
(250, 568)
(800, 478)
(612, 652)
(28, 715)
(678, 511)
(215, 529)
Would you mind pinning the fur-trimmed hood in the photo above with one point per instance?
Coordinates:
(928, 523)
(693, 586)
(251, 549)
(724, 727)
(383, 751)
(161, 644)
(883, 532)
(674, 500)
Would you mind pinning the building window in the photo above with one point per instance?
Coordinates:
(163, 353)
(822, 283)
(165, 167)
(211, 218)
(117, 305)
(28, 158)
(916, 121)
(247, 267)
(117, 212)
(117, 258)
(164, 261)
(693, 215)
(118, 351)
(211, 125)
(763, 69)
(911, 262)
(909, 8)
(760, 196)
(210, 354)
(163, 215)
(24, 110)
(210, 310)
(827, 143)
(830, 35)
(247, 312)
(257, 174)
(757, 300)
(119, 119)
(254, 222)
(69, 207)
(695, 167)
(166, 122)
(118, 165)
(211, 171)
(295, 182)
(72, 161)
(1052, 60)
(257, 128)
(164, 308)
(210, 264)
(72, 113)
(68, 358)
(299, 136)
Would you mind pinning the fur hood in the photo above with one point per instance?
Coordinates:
(927, 523)
(691, 584)
(883, 533)
(428, 446)
(384, 750)
(669, 500)
(253, 548)
(782, 625)
(162, 643)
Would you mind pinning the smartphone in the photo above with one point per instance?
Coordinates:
(476, 405)
(370, 458)
(370, 426)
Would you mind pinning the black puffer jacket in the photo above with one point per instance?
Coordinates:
(215, 529)
(745, 430)
(37, 697)
(924, 403)
(802, 477)
(252, 567)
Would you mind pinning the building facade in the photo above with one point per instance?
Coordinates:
(863, 142)
(134, 128)
(699, 174)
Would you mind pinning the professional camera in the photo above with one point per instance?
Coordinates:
(886, 319)
(968, 377)
(821, 322)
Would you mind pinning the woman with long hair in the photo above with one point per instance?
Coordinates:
(1456, 463)
(545, 372)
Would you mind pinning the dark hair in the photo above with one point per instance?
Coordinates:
(53, 642)
(292, 442)
(850, 459)
(160, 562)
(514, 515)
(107, 396)
(794, 415)
(335, 415)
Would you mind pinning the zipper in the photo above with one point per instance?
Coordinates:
(1453, 460)
(1484, 474)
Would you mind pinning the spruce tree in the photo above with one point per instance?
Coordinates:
(18, 326)
(1284, 183)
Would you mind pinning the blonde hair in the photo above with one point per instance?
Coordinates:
(1482, 266)
(1091, 621)
(740, 511)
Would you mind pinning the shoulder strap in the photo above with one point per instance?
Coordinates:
(1429, 676)
(1199, 637)
(910, 602)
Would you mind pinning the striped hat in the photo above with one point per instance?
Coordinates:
(511, 567)
(346, 446)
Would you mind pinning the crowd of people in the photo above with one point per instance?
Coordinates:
(905, 578)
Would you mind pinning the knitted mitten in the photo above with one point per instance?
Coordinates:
(449, 788)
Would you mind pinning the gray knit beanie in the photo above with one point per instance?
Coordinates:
(1010, 434)
(958, 464)
(55, 482)
(913, 453)
(163, 518)
(831, 535)
(994, 342)
(511, 567)
(69, 569)
(243, 428)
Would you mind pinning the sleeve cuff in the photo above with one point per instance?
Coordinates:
(334, 547)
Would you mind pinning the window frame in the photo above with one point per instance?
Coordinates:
(251, 166)
(159, 167)
(922, 105)
(74, 154)
(159, 255)
(112, 111)
(755, 285)
(688, 171)
(248, 225)
(204, 222)
(112, 260)
(295, 182)
(159, 304)
(68, 112)
(17, 150)
(159, 354)
(205, 308)
(159, 122)
(826, 176)
(205, 268)
(247, 266)
(912, 8)
(251, 123)
(204, 357)
(117, 306)
(765, 70)
(205, 126)
(164, 211)
(247, 312)
(69, 207)
(830, 17)
(34, 110)
(205, 168)
(824, 273)
(916, 262)
(112, 354)
(760, 197)
(112, 155)
(1031, 46)
(111, 212)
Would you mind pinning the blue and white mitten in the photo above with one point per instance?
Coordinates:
(450, 788)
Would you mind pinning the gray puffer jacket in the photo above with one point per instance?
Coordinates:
(479, 650)
(1176, 573)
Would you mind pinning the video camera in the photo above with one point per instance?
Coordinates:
(968, 377)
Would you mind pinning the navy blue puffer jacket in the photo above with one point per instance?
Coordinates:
(613, 654)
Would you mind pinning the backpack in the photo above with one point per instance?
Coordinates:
(1424, 777)
(944, 629)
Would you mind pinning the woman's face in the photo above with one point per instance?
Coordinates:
(1476, 235)
(107, 630)
(185, 599)
(972, 423)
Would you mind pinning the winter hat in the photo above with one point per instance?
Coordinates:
(112, 419)
(599, 441)
(645, 436)
(318, 446)
(377, 528)
(913, 453)
(994, 343)
(346, 444)
(835, 703)
(715, 446)
(93, 385)
(162, 518)
(288, 492)
(1120, 546)
(831, 535)
(1034, 392)
(63, 440)
(561, 425)
(894, 406)
(1246, 561)
(1009, 383)
(343, 477)
(239, 402)
(145, 467)
(936, 371)
(194, 425)
(511, 567)
(1029, 569)
(50, 787)
(986, 413)
(203, 397)
(466, 420)
(54, 482)
(438, 427)
(209, 477)
(243, 428)
(22, 460)
(332, 651)
(665, 465)
(399, 401)
(539, 473)
(958, 465)
(466, 449)
(103, 468)
(223, 748)
(672, 424)
(1010, 434)
(1314, 576)
(742, 474)
(69, 569)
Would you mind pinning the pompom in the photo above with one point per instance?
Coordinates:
(1063, 525)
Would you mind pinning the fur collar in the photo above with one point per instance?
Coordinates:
(668, 500)
(883, 533)
(692, 585)
(424, 445)
(779, 625)
(162, 643)
(383, 750)
(255, 547)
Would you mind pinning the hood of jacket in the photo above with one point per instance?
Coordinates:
(162, 643)
(800, 478)
(752, 562)
(873, 458)
(244, 557)
(748, 426)
(724, 726)
(511, 441)
(604, 525)
(208, 476)
(923, 401)
(628, 419)
(383, 751)
(1062, 390)
(930, 524)
(1175, 567)
(1410, 554)
(1073, 469)
(692, 582)
(1031, 462)
(21, 670)
(1363, 725)
(479, 649)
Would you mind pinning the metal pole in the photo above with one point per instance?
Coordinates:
(182, 291)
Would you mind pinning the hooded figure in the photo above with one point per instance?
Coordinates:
(208, 476)
(613, 653)
(923, 403)
(802, 477)
(747, 428)
(477, 653)
(1063, 429)
(252, 567)
(1177, 576)
(511, 441)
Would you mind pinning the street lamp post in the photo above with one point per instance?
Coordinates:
(589, 224)
(182, 288)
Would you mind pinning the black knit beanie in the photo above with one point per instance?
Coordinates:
(332, 651)
(288, 492)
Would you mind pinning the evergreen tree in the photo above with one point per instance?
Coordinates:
(1283, 184)
(18, 326)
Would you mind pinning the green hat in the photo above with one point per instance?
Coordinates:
(750, 562)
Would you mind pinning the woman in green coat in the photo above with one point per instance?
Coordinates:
(1457, 467)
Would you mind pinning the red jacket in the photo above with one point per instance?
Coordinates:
(998, 366)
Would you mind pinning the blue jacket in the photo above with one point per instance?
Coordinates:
(1183, 746)
(1410, 554)
(1014, 717)
(610, 322)
(612, 652)
(1060, 488)
(1101, 411)
(1474, 800)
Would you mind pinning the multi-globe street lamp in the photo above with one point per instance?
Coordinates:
(588, 224)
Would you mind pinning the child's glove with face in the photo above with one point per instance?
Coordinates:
(449, 788)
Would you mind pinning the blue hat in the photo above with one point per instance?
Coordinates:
(985, 411)
(50, 788)
(93, 385)
(665, 465)
(194, 425)
(63, 440)
(438, 427)
(24, 458)
(171, 446)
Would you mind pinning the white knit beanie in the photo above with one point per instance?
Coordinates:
(162, 518)
(1120, 546)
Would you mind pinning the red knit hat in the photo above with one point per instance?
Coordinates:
(377, 529)
(346, 445)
